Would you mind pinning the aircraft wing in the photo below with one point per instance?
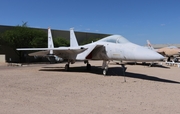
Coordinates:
(94, 52)
(63, 52)
(40, 53)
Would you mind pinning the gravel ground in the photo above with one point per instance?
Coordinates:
(49, 89)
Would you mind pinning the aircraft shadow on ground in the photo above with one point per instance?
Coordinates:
(145, 64)
(53, 67)
(155, 65)
(112, 71)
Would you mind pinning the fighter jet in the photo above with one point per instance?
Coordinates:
(170, 51)
(114, 47)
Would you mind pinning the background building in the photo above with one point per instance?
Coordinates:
(7, 54)
(10, 55)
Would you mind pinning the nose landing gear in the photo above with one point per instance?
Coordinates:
(105, 67)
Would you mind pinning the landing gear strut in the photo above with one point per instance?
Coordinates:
(105, 67)
(67, 67)
(124, 70)
(88, 66)
(105, 71)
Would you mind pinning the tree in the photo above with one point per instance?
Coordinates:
(61, 42)
(21, 37)
(24, 37)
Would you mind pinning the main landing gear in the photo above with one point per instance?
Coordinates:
(88, 66)
(67, 67)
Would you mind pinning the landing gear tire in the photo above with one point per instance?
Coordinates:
(104, 72)
(88, 67)
(67, 67)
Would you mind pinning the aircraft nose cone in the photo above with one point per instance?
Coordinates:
(146, 54)
(158, 56)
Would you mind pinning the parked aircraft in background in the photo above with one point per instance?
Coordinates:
(170, 51)
(114, 47)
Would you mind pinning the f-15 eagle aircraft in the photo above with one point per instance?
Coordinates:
(114, 47)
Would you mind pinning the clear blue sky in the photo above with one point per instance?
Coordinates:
(136, 20)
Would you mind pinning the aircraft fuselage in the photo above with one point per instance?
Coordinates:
(127, 51)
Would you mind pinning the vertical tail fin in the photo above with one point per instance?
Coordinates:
(149, 45)
(73, 40)
(50, 41)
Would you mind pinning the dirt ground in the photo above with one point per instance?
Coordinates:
(49, 89)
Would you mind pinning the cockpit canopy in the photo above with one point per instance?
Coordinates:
(114, 39)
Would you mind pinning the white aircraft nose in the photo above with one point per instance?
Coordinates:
(146, 54)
